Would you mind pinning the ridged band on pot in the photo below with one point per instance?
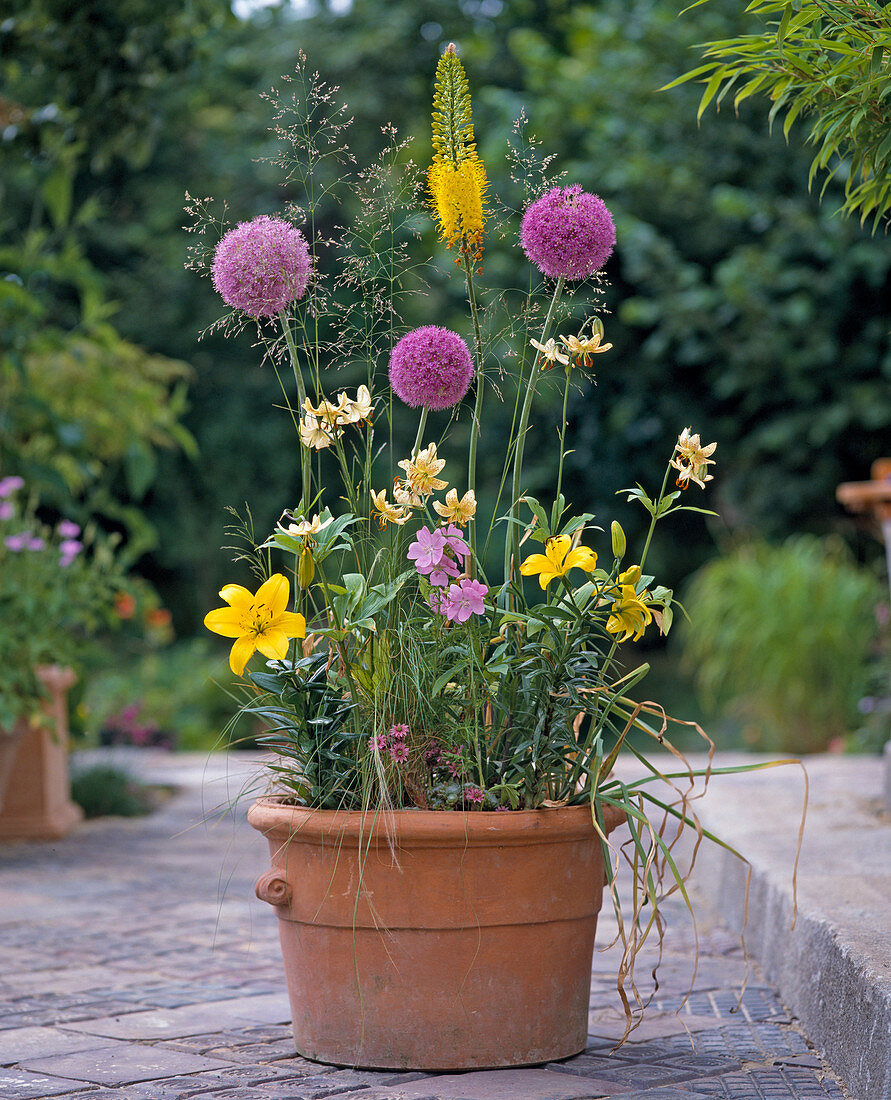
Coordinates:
(436, 940)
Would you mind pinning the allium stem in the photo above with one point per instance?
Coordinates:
(556, 513)
(512, 539)
(475, 426)
(422, 424)
(301, 394)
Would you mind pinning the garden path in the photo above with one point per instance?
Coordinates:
(137, 965)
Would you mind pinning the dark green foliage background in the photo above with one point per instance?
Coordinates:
(740, 306)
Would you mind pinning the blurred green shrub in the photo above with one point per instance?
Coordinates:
(182, 688)
(102, 791)
(781, 636)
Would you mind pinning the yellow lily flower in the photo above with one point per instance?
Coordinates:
(630, 615)
(256, 621)
(558, 559)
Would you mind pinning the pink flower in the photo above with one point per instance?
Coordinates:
(261, 266)
(17, 543)
(428, 550)
(35, 543)
(473, 794)
(398, 733)
(68, 550)
(431, 366)
(67, 529)
(399, 752)
(463, 600)
(444, 572)
(454, 536)
(568, 233)
(6, 509)
(9, 485)
(377, 742)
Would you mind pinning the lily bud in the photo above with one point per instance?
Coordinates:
(306, 568)
(619, 543)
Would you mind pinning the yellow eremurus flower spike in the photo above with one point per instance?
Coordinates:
(456, 178)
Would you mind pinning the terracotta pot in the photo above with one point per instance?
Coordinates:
(9, 747)
(435, 940)
(38, 802)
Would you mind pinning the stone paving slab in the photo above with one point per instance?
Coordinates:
(121, 1064)
(498, 1084)
(145, 942)
(191, 1019)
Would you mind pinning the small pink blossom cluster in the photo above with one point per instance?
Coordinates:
(69, 546)
(459, 601)
(437, 553)
(394, 741)
(450, 759)
(8, 486)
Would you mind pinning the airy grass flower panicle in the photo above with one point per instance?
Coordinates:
(259, 621)
(261, 266)
(457, 177)
(431, 367)
(568, 233)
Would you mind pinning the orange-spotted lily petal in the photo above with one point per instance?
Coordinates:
(559, 557)
(258, 621)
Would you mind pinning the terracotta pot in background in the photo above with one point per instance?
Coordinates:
(435, 940)
(9, 747)
(38, 794)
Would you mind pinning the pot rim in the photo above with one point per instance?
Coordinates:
(281, 821)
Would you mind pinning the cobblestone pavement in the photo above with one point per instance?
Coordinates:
(135, 963)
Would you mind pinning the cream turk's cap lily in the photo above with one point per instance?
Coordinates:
(692, 459)
(457, 511)
(258, 621)
(420, 472)
(558, 559)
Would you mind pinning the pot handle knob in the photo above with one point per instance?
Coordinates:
(273, 888)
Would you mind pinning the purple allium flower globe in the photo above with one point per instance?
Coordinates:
(261, 266)
(431, 366)
(568, 233)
